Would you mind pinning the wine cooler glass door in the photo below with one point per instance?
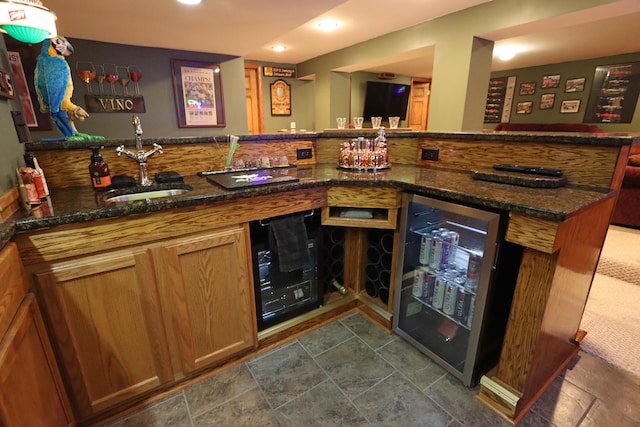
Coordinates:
(447, 258)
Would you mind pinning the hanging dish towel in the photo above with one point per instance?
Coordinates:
(290, 235)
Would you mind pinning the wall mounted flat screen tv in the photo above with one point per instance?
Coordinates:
(386, 99)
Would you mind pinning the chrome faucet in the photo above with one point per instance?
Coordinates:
(140, 156)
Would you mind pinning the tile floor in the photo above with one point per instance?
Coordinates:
(351, 373)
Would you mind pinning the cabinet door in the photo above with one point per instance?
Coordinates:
(104, 312)
(206, 281)
(32, 392)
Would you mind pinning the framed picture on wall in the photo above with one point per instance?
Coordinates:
(524, 107)
(614, 93)
(6, 79)
(22, 89)
(198, 92)
(547, 100)
(574, 85)
(22, 63)
(528, 88)
(280, 98)
(570, 106)
(6, 85)
(551, 81)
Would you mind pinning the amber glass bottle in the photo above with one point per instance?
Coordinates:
(99, 171)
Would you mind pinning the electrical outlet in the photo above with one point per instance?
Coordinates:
(430, 153)
(304, 153)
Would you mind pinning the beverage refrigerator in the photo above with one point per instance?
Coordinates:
(454, 284)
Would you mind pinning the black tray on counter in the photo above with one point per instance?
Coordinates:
(521, 179)
(253, 177)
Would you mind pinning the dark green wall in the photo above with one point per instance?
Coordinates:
(566, 70)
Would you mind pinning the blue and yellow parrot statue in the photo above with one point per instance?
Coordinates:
(54, 87)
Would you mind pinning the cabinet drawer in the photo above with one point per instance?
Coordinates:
(361, 206)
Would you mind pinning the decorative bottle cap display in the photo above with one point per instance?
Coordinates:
(365, 154)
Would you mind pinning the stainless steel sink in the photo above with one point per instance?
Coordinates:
(146, 195)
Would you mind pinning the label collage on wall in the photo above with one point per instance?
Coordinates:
(499, 99)
(614, 94)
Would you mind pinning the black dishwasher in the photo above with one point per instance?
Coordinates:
(282, 294)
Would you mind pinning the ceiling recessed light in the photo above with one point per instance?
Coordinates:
(328, 25)
(506, 53)
(278, 48)
(189, 1)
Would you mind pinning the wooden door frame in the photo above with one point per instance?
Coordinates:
(257, 69)
(420, 80)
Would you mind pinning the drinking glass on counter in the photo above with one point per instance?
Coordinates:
(393, 122)
(342, 122)
(376, 122)
(357, 122)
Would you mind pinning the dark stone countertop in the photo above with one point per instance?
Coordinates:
(607, 139)
(7, 230)
(81, 204)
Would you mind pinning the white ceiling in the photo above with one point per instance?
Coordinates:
(249, 28)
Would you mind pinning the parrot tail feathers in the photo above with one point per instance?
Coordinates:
(61, 120)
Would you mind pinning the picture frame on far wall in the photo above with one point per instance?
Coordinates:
(198, 91)
(7, 89)
(280, 98)
(547, 100)
(22, 89)
(574, 85)
(570, 106)
(551, 81)
(524, 107)
(528, 88)
(6, 85)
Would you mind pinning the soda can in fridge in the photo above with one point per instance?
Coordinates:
(418, 280)
(462, 305)
(425, 249)
(472, 304)
(450, 298)
(473, 271)
(427, 286)
(439, 288)
(450, 241)
(435, 255)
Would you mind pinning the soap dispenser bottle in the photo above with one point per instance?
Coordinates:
(99, 171)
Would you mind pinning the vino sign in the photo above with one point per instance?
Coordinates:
(114, 104)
